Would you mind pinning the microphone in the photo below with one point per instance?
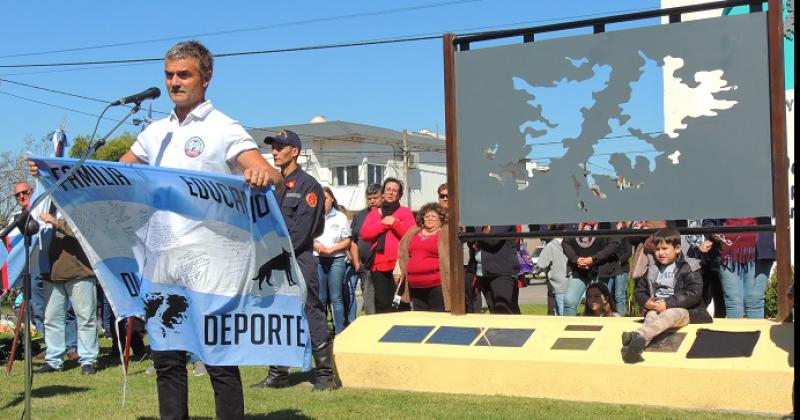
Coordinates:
(151, 93)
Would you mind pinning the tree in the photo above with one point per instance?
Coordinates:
(14, 169)
(112, 151)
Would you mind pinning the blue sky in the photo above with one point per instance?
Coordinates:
(399, 86)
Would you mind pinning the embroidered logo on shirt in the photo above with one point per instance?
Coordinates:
(311, 199)
(194, 147)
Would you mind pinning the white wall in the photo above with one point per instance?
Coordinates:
(319, 157)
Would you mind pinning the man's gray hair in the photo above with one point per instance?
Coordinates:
(196, 50)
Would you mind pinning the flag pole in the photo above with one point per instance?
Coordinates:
(16, 339)
(128, 338)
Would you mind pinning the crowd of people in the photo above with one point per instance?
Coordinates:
(398, 259)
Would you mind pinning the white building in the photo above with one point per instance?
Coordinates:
(347, 157)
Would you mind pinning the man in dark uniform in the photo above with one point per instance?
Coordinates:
(300, 200)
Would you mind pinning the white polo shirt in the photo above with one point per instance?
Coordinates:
(337, 229)
(207, 140)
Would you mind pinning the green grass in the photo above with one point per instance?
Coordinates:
(68, 395)
(533, 309)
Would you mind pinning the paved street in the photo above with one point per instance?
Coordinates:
(535, 294)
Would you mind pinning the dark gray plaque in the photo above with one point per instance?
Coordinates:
(505, 337)
(572, 344)
(406, 334)
(456, 336)
(583, 328)
(621, 124)
(667, 342)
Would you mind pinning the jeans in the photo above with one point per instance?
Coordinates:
(107, 316)
(576, 287)
(38, 302)
(331, 273)
(351, 306)
(618, 286)
(744, 286)
(71, 331)
(173, 387)
(559, 303)
(82, 294)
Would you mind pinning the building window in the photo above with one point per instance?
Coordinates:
(346, 175)
(375, 174)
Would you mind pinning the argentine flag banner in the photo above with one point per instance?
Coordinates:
(203, 258)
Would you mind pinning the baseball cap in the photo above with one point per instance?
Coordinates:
(287, 137)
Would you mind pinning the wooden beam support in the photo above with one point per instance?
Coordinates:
(457, 288)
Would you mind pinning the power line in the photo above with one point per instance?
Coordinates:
(67, 70)
(58, 106)
(54, 91)
(383, 41)
(252, 29)
(74, 95)
(306, 135)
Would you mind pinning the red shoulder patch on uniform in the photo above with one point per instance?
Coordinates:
(312, 199)
(290, 184)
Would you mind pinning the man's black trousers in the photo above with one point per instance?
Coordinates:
(173, 387)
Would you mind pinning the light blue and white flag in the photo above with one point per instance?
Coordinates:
(12, 254)
(203, 258)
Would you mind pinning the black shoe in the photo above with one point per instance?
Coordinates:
(46, 368)
(324, 369)
(278, 377)
(324, 383)
(635, 349)
(627, 337)
(88, 370)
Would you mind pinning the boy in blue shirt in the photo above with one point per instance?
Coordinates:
(671, 292)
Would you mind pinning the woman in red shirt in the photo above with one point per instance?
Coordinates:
(424, 261)
(384, 227)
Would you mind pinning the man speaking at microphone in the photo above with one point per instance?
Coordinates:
(195, 136)
(199, 137)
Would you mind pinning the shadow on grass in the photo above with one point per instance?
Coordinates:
(46, 392)
(291, 414)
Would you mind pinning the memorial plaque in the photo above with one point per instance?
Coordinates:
(572, 344)
(456, 336)
(667, 342)
(600, 125)
(505, 337)
(583, 328)
(711, 344)
(406, 334)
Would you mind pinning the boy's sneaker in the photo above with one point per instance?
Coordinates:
(199, 368)
(633, 354)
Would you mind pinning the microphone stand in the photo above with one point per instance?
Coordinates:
(29, 227)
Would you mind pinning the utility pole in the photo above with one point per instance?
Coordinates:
(405, 168)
